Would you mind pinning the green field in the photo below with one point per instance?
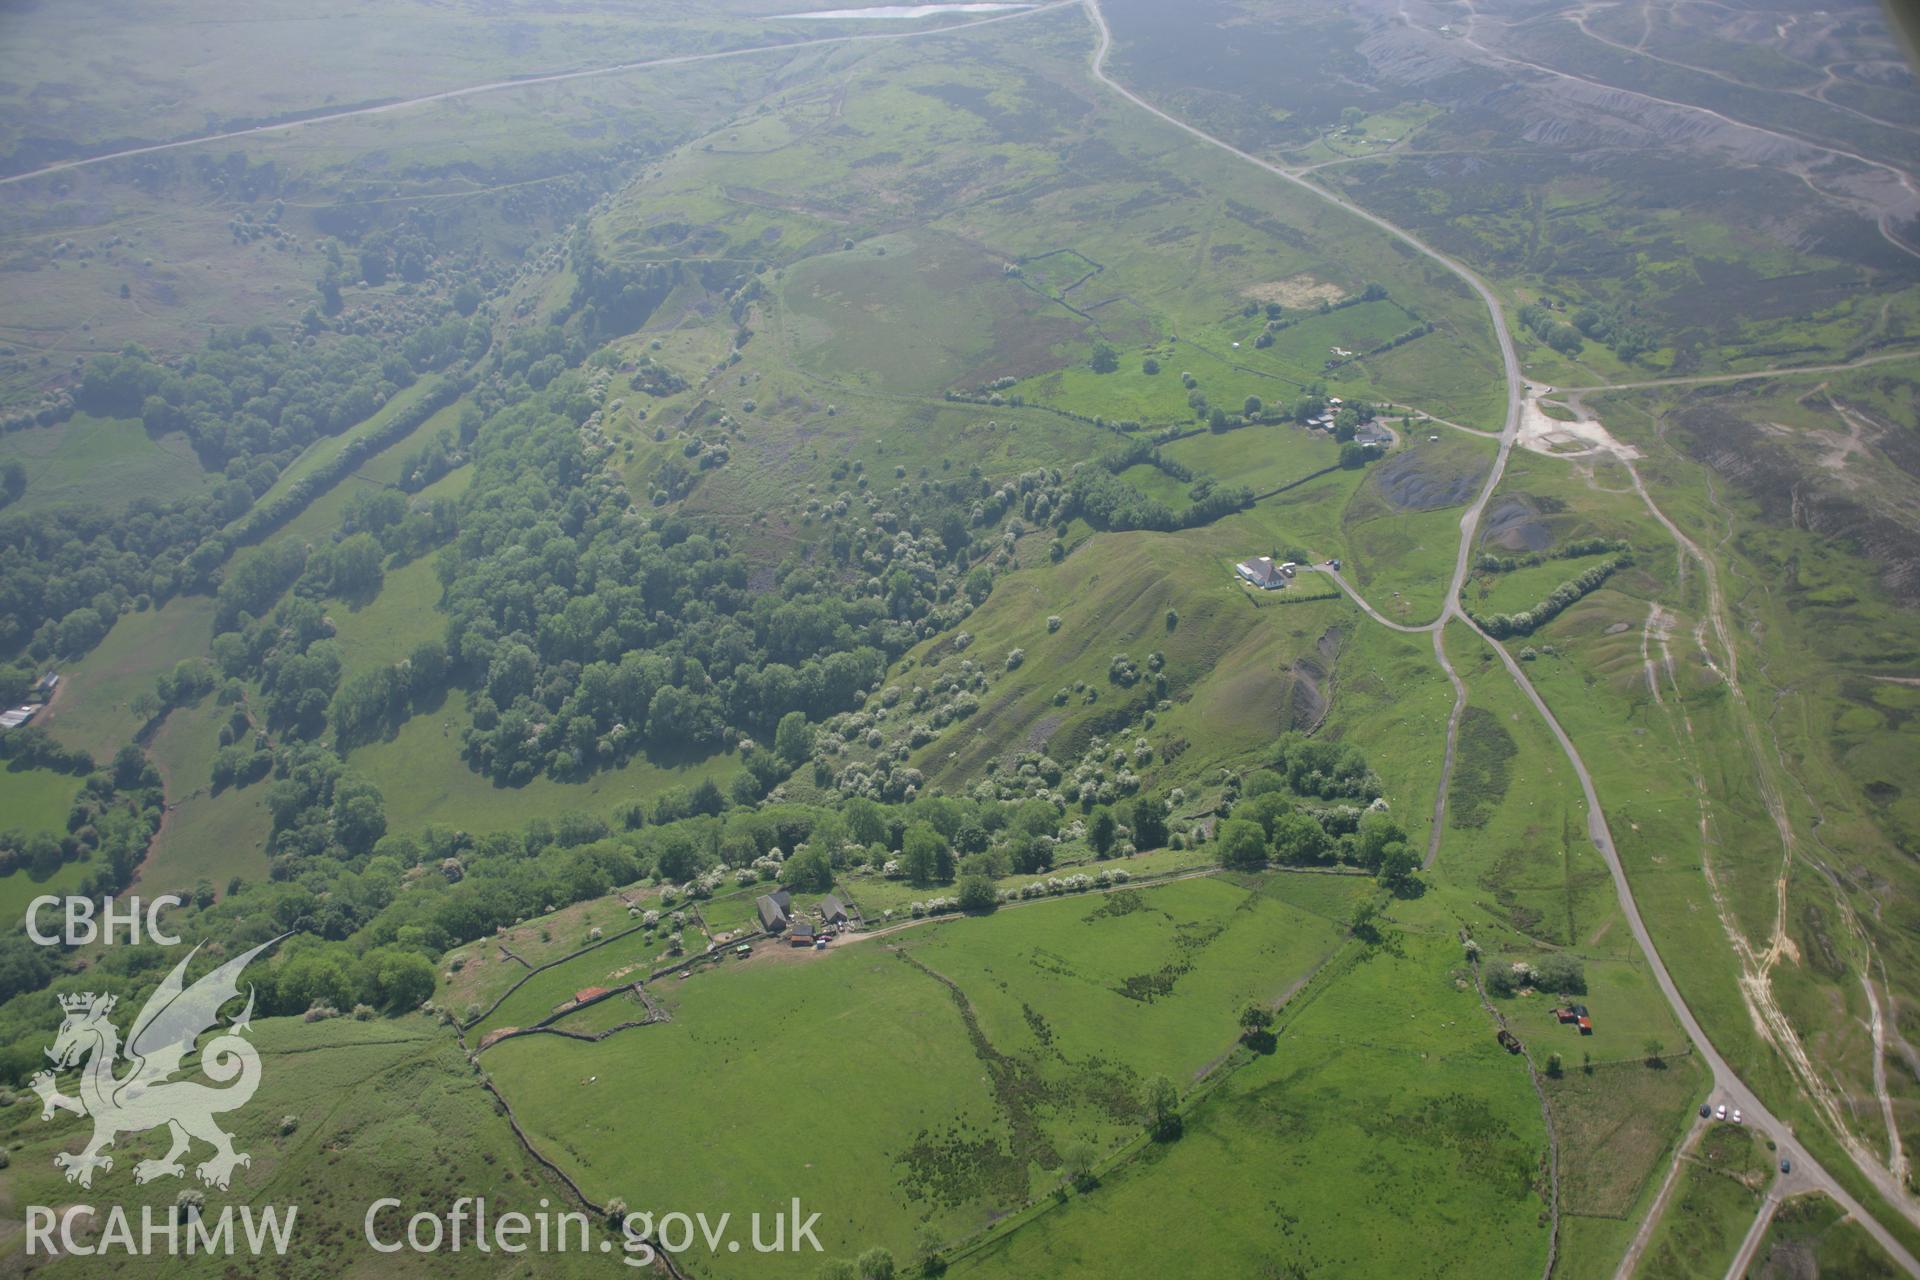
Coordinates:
(1260, 457)
(691, 1092)
(206, 836)
(323, 514)
(1713, 1205)
(788, 361)
(101, 463)
(424, 779)
(93, 708)
(1617, 1124)
(387, 629)
(1811, 1231)
(327, 448)
(976, 1088)
(36, 800)
(1524, 588)
(1278, 1165)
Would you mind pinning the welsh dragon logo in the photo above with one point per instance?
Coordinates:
(146, 1096)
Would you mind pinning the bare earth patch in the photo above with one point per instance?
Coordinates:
(1299, 291)
(1581, 438)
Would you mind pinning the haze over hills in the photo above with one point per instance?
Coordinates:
(1243, 638)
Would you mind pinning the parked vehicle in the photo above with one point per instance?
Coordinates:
(1720, 1112)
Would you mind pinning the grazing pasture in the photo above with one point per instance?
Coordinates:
(424, 778)
(1812, 1232)
(93, 708)
(102, 463)
(1714, 1202)
(36, 801)
(1277, 1168)
(209, 835)
(959, 1060)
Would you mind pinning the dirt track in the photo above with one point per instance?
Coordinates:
(1727, 1084)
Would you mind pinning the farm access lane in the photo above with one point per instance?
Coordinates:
(1728, 1085)
(1144, 882)
(1750, 1245)
(1436, 828)
(1509, 433)
(1412, 629)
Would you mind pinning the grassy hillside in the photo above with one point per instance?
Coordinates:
(1228, 654)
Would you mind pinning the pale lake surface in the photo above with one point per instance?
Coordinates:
(903, 10)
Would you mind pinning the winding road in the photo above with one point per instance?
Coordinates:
(1807, 1174)
(1728, 1086)
(1516, 391)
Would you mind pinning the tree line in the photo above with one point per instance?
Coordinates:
(1501, 625)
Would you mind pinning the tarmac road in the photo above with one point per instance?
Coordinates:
(1807, 1174)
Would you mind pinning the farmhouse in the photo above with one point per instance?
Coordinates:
(800, 933)
(1262, 573)
(15, 718)
(1373, 434)
(832, 910)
